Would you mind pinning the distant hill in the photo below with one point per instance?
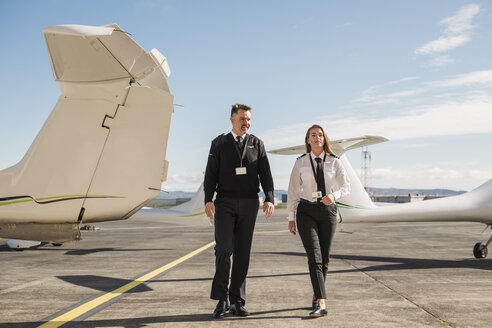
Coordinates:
(374, 191)
(427, 192)
(395, 191)
(175, 194)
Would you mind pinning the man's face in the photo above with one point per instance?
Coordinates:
(241, 122)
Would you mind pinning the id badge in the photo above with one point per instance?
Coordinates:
(240, 170)
(317, 194)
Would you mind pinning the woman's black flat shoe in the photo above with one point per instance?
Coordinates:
(318, 312)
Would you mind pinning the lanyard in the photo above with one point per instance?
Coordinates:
(245, 143)
(312, 165)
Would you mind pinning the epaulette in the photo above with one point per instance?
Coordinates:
(334, 156)
(301, 156)
(219, 136)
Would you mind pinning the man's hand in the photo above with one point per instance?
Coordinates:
(210, 210)
(328, 199)
(292, 227)
(268, 209)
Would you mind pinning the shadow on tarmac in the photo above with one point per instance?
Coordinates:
(98, 250)
(400, 263)
(249, 277)
(101, 283)
(79, 252)
(199, 317)
(106, 284)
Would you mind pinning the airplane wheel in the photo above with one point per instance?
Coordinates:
(480, 251)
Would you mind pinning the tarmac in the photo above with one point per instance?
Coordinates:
(157, 273)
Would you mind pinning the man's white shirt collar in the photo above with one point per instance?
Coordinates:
(235, 136)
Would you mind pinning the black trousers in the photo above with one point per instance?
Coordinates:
(316, 224)
(234, 225)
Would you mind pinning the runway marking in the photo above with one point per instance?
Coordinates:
(91, 305)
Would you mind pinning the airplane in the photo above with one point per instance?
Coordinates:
(191, 212)
(101, 154)
(357, 207)
(194, 208)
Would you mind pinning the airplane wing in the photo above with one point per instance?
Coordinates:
(339, 146)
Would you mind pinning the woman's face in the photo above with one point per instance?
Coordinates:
(316, 139)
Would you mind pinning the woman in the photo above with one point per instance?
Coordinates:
(317, 180)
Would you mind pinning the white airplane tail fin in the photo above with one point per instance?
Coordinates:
(358, 196)
(192, 212)
(194, 206)
(101, 153)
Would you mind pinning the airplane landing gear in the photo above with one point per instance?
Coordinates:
(480, 250)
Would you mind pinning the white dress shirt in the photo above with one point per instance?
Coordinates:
(303, 183)
(235, 136)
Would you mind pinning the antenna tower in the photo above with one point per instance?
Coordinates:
(365, 171)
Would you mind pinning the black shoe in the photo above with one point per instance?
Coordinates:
(318, 312)
(238, 309)
(220, 310)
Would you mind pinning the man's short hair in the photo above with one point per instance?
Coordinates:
(236, 107)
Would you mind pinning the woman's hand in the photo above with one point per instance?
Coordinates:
(292, 227)
(328, 199)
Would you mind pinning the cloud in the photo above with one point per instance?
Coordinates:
(459, 105)
(409, 78)
(457, 32)
(429, 176)
(469, 115)
(441, 60)
(346, 24)
(183, 182)
(442, 44)
(417, 145)
(476, 78)
(370, 96)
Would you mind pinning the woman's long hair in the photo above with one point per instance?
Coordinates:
(326, 143)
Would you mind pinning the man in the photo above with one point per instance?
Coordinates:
(236, 164)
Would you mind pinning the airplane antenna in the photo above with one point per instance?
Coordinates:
(366, 170)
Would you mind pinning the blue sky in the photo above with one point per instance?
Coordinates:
(417, 72)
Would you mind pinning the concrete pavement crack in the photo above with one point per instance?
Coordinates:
(421, 307)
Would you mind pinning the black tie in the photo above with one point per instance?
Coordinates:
(239, 142)
(320, 177)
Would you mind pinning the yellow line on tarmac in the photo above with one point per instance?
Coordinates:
(90, 305)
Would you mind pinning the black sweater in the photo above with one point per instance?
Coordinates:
(223, 159)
